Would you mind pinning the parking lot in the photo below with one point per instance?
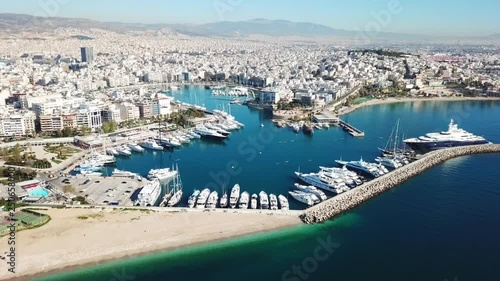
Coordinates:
(102, 190)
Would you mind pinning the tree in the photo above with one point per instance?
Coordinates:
(109, 127)
(68, 132)
(85, 130)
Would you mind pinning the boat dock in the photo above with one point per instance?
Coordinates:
(354, 197)
(353, 131)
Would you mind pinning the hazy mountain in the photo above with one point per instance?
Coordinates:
(280, 28)
(14, 23)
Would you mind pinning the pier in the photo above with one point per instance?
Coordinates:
(354, 197)
(353, 131)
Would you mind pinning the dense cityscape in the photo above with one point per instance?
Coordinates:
(174, 147)
(108, 75)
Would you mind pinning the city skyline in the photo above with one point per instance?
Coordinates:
(457, 18)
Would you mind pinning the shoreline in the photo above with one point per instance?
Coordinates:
(400, 100)
(93, 242)
(132, 255)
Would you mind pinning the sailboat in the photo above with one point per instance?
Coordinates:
(177, 190)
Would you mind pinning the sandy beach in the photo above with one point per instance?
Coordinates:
(396, 100)
(68, 242)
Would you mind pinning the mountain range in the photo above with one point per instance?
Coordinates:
(15, 23)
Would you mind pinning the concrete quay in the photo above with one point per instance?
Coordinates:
(354, 197)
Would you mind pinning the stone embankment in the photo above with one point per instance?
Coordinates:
(348, 200)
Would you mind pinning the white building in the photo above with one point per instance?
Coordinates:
(128, 111)
(17, 123)
(162, 105)
(89, 116)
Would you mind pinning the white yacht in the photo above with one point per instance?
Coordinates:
(192, 199)
(389, 162)
(235, 195)
(264, 200)
(244, 199)
(202, 198)
(167, 141)
(112, 152)
(451, 138)
(312, 189)
(149, 194)
(90, 173)
(320, 181)
(223, 201)
(306, 198)
(273, 202)
(103, 158)
(253, 201)
(124, 151)
(194, 135)
(125, 174)
(135, 147)
(162, 174)
(212, 200)
(283, 202)
(151, 144)
(371, 169)
(209, 134)
(217, 129)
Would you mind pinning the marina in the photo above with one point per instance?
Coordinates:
(330, 179)
(339, 204)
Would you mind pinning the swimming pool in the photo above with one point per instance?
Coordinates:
(38, 192)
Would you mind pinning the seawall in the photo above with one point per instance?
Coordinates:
(352, 198)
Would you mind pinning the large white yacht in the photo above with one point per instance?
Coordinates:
(371, 169)
(162, 174)
(209, 134)
(320, 181)
(311, 189)
(453, 137)
(149, 194)
(304, 197)
(125, 174)
(151, 144)
(135, 147)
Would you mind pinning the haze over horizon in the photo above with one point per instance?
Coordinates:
(453, 18)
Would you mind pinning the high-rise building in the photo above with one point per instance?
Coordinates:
(87, 54)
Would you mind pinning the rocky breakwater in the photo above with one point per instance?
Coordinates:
(348, 200)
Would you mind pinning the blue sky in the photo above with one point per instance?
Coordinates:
(437, 17)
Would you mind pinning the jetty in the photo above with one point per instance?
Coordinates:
(353, 131)
(354, 197)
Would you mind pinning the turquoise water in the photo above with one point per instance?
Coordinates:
(39, 192)
(442, 224)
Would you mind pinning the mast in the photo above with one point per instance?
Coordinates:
(388, 145)
(396, 137)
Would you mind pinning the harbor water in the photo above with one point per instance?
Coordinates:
(441, 225)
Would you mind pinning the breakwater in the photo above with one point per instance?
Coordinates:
(348, 200)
